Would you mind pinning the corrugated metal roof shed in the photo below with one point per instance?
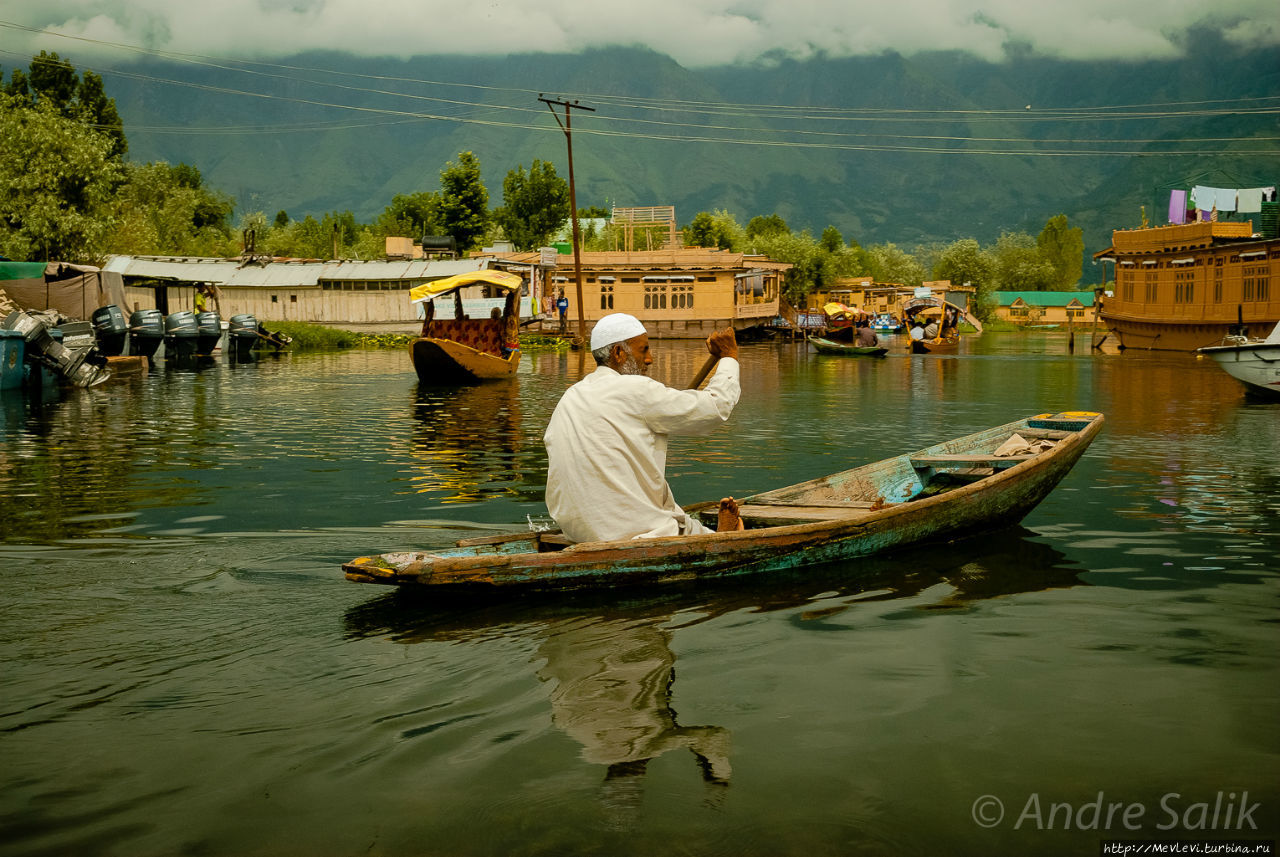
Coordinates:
(409, 269)
(285, 274)
(188, 269)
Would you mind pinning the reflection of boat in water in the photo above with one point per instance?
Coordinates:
(1253, 362)
(464, 350)
(826, 346)
(466, 441)
(953, 489)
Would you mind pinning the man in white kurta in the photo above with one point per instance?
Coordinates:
(607, 439)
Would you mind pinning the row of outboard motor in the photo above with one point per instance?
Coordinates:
(184, 334)
(80, 351)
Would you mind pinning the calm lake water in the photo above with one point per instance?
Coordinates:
(185, 670)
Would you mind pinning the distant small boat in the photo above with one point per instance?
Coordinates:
(886, 324)
(1041, 326)
(1253, 362)
(464, 350)
(826, 346)
(962, 487)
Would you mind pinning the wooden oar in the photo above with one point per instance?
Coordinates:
(703, 372)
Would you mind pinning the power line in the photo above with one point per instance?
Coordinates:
(789, 113)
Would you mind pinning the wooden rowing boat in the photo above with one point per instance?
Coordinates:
(464, 350)
(950, 345)
(951, 490)
(826, 346)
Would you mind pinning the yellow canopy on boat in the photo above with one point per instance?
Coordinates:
(435, 288)
(838, 310)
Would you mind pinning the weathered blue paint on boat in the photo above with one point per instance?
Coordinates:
(867, 510)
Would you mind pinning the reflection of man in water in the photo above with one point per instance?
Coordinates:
(612, 695)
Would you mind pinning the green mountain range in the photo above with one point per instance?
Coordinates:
(916, 149)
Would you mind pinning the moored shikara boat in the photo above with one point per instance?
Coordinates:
(959, 488)
(826, 346)
(1255, 363)
(461, 349)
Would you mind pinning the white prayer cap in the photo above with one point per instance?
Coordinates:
(615, 327)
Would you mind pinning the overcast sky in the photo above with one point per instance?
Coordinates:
(694, 32)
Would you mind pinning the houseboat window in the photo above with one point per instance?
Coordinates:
(706, 279)
(655, 297)
(1018, 311)
(682, 297)
(274, 299)
(1257, 284)
(606, 297)
(1218, 261)
(1152, 288)
(1217, 288)
(293, 299)
(750, 289)
(630, 279)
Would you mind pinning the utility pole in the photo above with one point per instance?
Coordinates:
(567, 128)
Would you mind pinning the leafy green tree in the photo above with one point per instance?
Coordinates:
(767, 227)
(1062, 246)
(98, 110)
(889, 263)
(1019, 265)
(18, 86)
(53, 80)
(412, 215)
(832, 241)
(714, 229)
(282, 218)
(535, 205)
(57, 179)
(464, 202)
(965, 262)
(166, 210)
(596, 212)
(813, 265)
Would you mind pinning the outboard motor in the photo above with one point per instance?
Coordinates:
(242, 335)
(146, 332)
(208, 332)
(42, 346)
(181, 334)
(111, 329)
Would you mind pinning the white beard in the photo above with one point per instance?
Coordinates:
(632, 367)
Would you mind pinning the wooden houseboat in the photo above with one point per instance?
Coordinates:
(677, 293)
(1185, 286)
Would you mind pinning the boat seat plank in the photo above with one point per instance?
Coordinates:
(835, 504)
(781, 516)
(922, 461)
(1046, 434)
